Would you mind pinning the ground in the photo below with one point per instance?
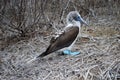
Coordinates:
(99, 57)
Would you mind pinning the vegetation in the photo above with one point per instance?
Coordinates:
(26, 27)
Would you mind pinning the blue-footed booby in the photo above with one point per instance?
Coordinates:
(67, 38)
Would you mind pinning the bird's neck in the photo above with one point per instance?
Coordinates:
(77, 24)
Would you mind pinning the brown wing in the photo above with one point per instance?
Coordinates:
(64, 40)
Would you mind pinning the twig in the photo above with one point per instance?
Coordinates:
(47, 76)
(63, 12)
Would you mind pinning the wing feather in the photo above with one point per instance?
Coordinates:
(64, 40)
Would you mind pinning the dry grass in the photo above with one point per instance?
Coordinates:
(24, 35)
(99, 58)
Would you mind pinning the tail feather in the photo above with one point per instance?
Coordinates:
(48, 51)
(43, 54)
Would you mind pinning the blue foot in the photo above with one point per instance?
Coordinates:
(68, 52)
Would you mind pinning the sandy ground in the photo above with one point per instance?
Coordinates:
(99, 58)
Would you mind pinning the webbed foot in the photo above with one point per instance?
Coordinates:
(69, 52)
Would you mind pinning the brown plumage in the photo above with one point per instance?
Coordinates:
(67, 38)
(64, 40)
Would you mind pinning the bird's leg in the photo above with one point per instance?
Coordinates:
(69, 52)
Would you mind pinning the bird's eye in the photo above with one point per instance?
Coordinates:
(77, 18)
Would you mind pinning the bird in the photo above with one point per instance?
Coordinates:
(68, 37)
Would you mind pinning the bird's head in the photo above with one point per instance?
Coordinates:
(74, 18)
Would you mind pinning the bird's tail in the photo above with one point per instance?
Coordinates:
(43, 54)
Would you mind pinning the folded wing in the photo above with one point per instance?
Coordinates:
(64, 40)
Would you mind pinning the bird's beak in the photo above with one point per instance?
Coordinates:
(83, 21)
